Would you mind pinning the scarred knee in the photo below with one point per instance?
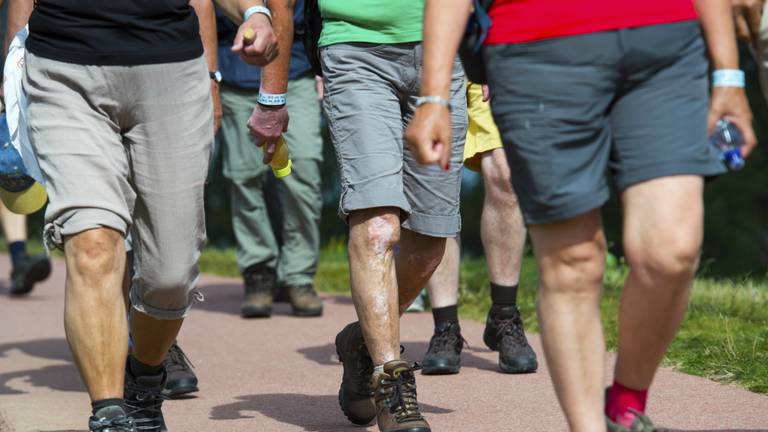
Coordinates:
(379, 232)
(94, 252)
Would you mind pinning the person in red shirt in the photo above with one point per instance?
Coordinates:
(580, 87)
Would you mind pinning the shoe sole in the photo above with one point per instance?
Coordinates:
(441, 370)
(38, 273)
(180, 387)
(518, 369)
(250, 312)
(351, 417)
(308, 312)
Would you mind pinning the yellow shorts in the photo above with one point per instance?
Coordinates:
(482, 133)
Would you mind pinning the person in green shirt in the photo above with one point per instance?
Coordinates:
(371, 57)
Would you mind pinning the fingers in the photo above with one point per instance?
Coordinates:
(744, 125)
(486, 93)
(269, 150)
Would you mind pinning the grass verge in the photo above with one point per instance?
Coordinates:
(724, 336)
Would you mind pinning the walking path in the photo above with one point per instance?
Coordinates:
(281, 374)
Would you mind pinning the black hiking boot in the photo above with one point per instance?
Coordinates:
(504, 333)
(29, 271)
(355, 393)
(181, 378)
(444, 353)
(144, 400)
(111, 419)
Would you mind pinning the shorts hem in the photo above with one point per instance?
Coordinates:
(353, 201)
(77, 221)
(434, 226)
(575, 207)
(625, 181)
(156, 313)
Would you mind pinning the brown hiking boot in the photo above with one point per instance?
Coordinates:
(397, 409)
(259, 285)
(305, 301)
(355, 394)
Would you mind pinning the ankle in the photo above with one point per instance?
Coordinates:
(623, 402)
(138, 368)
(445, 314)
(503, 295)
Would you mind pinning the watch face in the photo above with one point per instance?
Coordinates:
(216, 76)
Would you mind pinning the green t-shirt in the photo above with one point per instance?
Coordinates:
(371, 21)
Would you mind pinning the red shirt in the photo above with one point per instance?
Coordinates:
(531, 20)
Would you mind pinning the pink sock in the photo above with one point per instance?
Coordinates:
(622, 401)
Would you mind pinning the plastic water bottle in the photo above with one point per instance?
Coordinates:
(728, 141)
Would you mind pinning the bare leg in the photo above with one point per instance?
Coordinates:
(570, 255)
(152, 337)
(443, 286)
(94, 310)
(373, 234)
(663, 230)
(501, 225)
(14, 225)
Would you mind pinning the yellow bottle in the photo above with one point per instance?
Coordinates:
(281, 161)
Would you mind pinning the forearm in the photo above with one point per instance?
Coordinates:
(234, 9)
(719, 32)
(441, 42)
(18, 16)
(207, 19)
(274, 76)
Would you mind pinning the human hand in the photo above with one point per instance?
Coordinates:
(256, 41)
(217, 113)
(748, 14)
(731, 103)
(319, 87)
(429, 135)
(486, 93)
(267, 124)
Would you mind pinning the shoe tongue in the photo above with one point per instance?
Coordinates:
(151, 380)
(504, 312)
(396, 367)
(444, 326)
(109, 412)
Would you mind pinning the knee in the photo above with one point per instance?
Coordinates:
(575, 269)
(95, 252)
(673, 258)
(378, 233)
(498, 186)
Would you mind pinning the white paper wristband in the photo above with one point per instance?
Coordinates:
(270, 99)
(728, 78)
(257, 9)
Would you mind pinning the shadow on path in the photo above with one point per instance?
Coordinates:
(414, 351)
(313, 413)
(56, 377)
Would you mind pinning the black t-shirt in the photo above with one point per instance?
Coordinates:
(114, 32)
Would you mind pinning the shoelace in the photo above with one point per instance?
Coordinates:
(178, 360)
(446, 340)
(117, 424)
(642, 423)
(512, 327)
(146, 408)
(401, 395)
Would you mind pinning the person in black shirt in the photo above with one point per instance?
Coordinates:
(120, 116)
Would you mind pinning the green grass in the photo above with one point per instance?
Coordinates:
(724, 336)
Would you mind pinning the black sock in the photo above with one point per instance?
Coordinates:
(18, 251)
(447, 313)
(99, 404)
(141, 369)
(503, 295)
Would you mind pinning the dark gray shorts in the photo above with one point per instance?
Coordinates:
(633, 100)
(370, 96)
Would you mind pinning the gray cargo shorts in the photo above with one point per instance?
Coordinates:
(127, 148)
(634, 101)
(369, 99)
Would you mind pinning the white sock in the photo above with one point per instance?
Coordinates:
(378, 369)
